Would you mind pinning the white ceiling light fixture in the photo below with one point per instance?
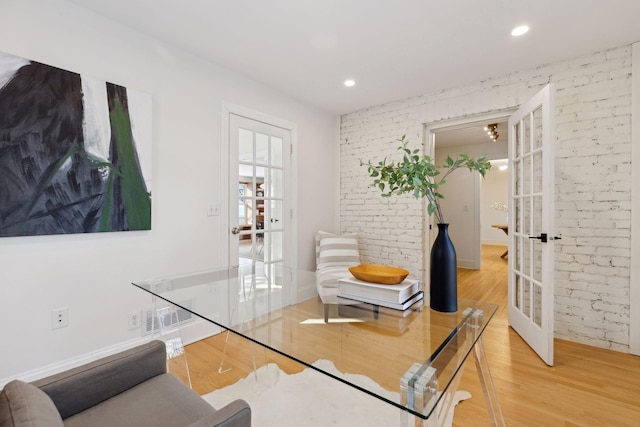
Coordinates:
(349, 83)
(520, 30)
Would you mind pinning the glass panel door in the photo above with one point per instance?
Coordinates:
(262, 178)
(531, 154)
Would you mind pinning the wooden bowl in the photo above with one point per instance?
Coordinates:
(380, 274)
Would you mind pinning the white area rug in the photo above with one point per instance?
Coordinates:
(312, 399)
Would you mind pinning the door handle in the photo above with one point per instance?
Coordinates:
(544, 238)
(235, 230)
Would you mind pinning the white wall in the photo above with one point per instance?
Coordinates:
(460, 206)
(493, 197)
(593, 183)
(91, 274)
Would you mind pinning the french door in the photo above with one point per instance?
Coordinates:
(259, 197)
(531, 223)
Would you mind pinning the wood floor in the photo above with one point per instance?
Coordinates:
(587, 386)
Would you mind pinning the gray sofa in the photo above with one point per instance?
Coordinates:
(131, 388)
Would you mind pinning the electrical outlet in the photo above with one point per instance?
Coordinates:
(60, 318)
(134, 320)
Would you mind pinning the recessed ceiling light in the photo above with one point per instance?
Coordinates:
(518, 31)
(349, 83)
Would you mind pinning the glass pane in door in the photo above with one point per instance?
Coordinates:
(536, 134)
(275, 246)
(277, 188)
(245, 146)
(276, 152)
(262, 148)
(537, 305)
(526, 298)
(526, 133)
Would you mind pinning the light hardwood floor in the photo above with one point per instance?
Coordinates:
(587, 386)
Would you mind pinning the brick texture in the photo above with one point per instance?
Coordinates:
(592, 183)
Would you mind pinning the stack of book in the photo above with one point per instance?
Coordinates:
(399, 297)
(395, 322)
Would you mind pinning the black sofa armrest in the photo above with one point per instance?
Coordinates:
(235, 414)
(80, 388)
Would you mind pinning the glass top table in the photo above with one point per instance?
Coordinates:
(418, 352)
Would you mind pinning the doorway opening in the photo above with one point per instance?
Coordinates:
(531, 226)
(476, 207)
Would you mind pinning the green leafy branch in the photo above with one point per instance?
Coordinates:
(419, 175)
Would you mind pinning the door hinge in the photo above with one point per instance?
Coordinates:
(290, 148)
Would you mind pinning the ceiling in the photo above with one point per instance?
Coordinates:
(392, 49)
(472, 134)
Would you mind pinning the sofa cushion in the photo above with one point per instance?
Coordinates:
(323, 234)
(161, 401)
(25, 405)
(337, 251)
(80, 388)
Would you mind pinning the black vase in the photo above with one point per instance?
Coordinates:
(443, 288)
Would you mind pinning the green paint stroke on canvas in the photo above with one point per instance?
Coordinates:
(137, 201)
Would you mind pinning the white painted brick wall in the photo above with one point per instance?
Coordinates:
(593, 183)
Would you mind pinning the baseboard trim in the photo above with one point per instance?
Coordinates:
(495, 243)
(73, 362)
(468, 264)
(190, 333)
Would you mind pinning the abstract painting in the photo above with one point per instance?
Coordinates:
(75, 152)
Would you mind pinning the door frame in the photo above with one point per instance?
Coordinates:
(429, 145)
(227, 110)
